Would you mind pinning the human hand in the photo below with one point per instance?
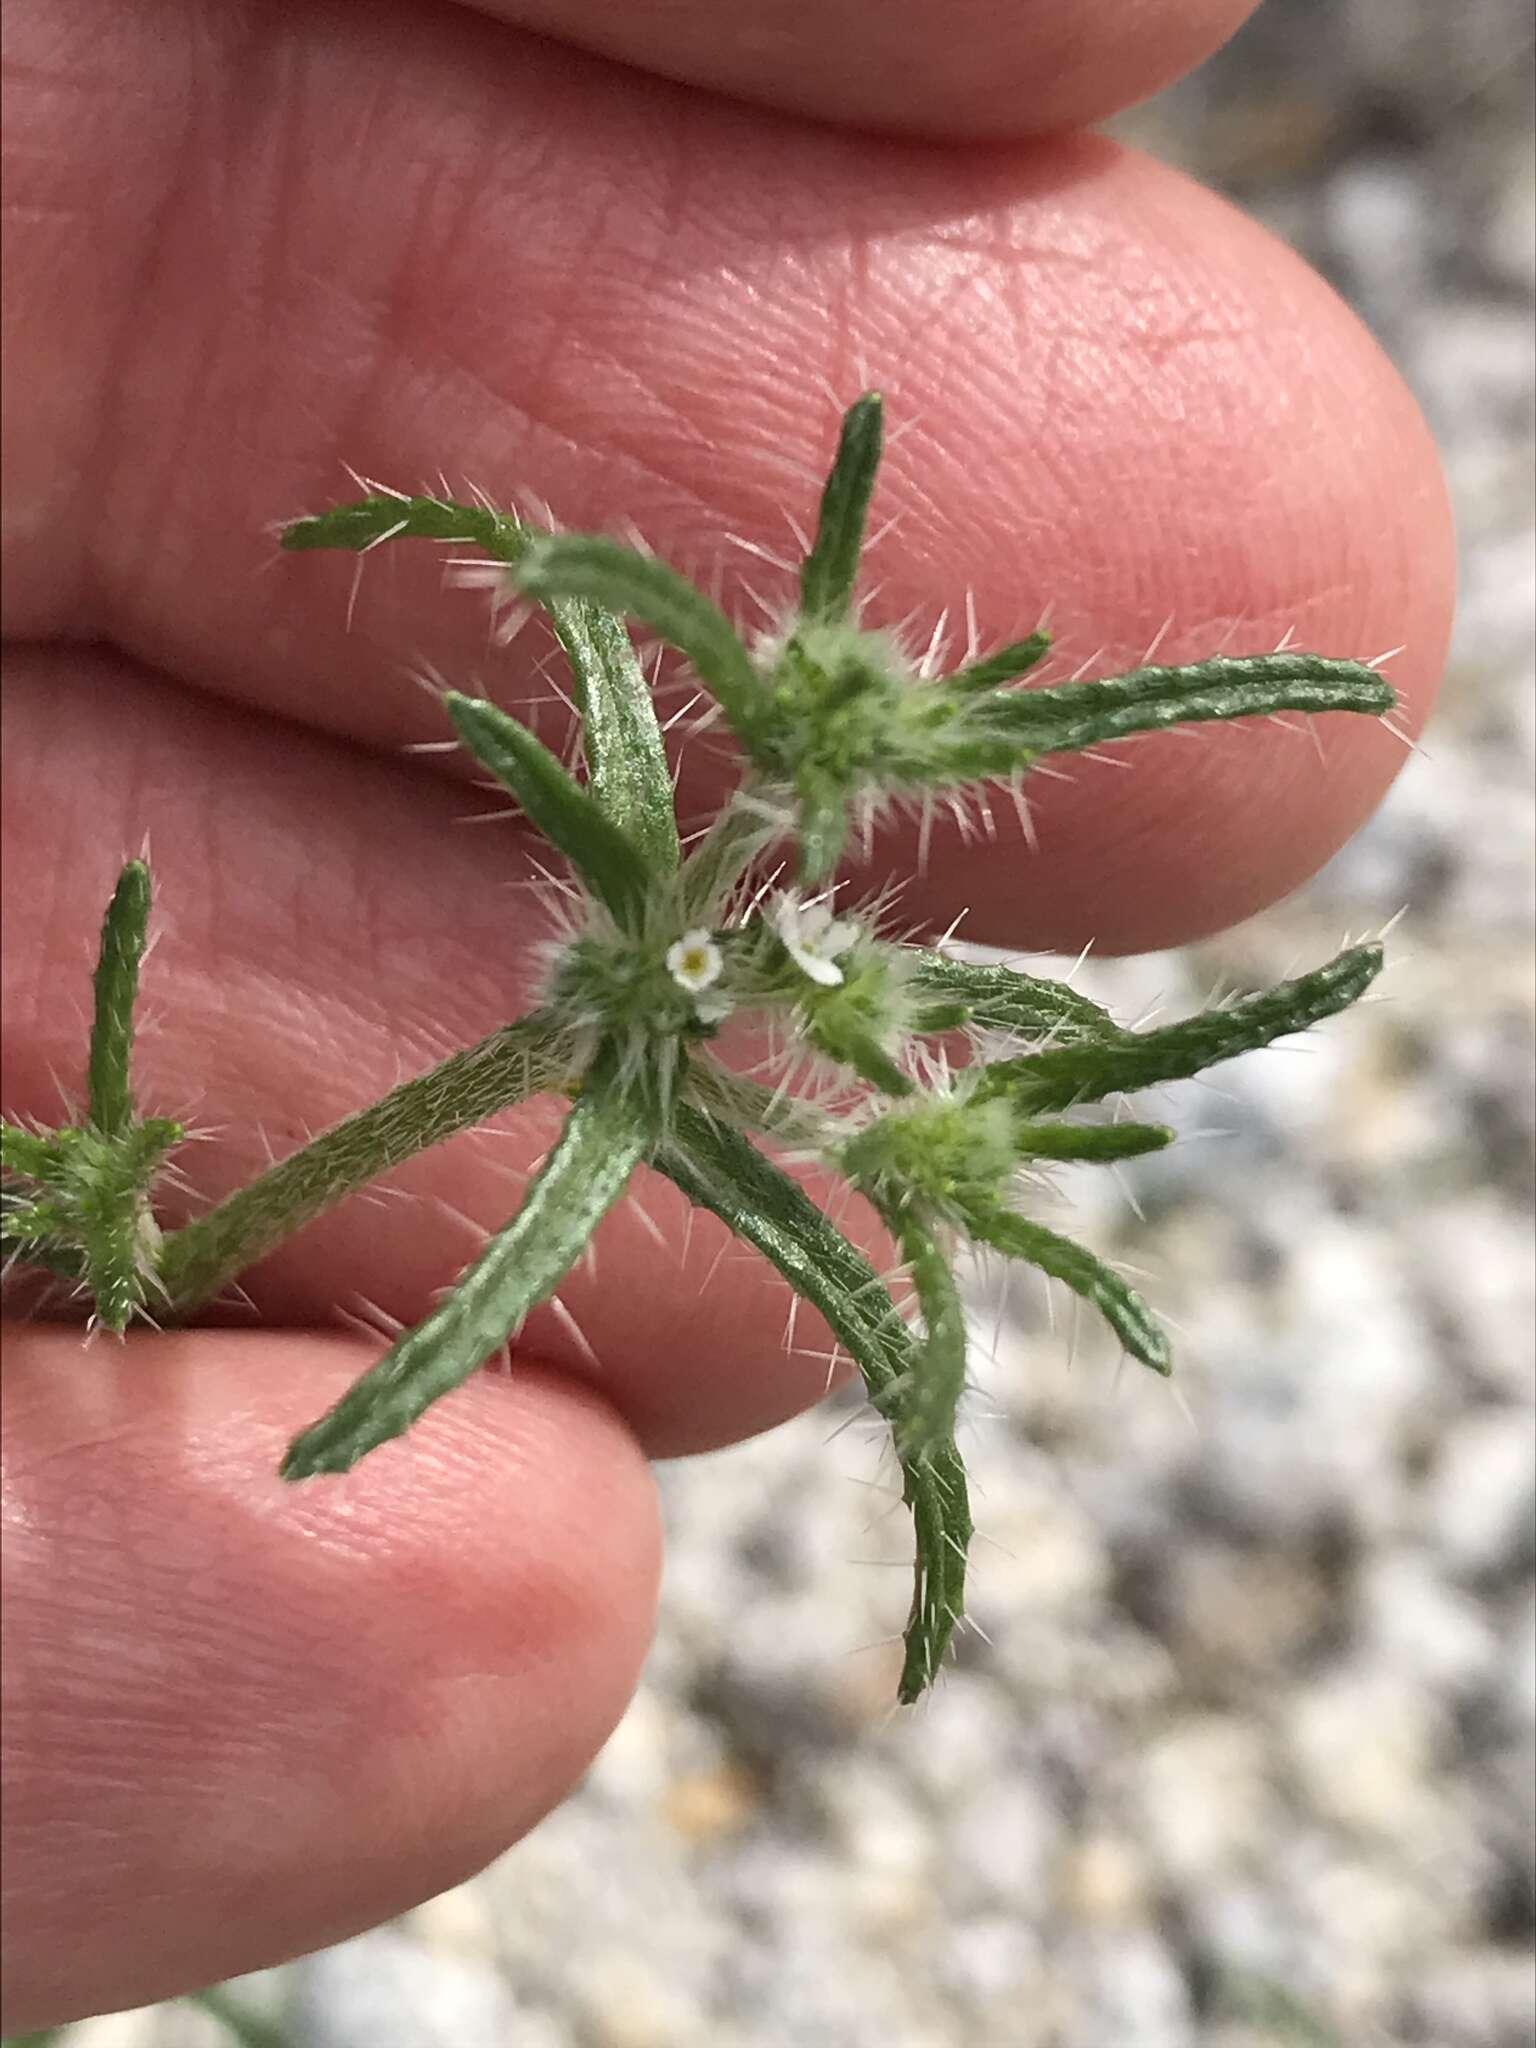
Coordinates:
(243, 1721)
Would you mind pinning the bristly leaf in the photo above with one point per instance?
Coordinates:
(626, 761)
(1001, 998)
(1068, 716)
(606, 859)
(604, 1138)
(123, 933)
(1008, 663)
(831, 569)
(33, 1154)
(387, 516)
(1086, 1072)
(588, 565)
(1095, 1142)
(721, 1171)
(1115, 1299)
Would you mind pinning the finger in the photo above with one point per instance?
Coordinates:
(1123, 404)
(325, 928)
(243, 1721)
(912, 66)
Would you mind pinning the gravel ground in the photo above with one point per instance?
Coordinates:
(1244, 1758)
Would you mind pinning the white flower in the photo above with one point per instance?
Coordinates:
(813, 938)
(694, 963)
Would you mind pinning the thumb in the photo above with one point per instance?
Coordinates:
(242, 1720)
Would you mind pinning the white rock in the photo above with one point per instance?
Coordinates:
(1423, 1627)
(1363, 1741)
(384, 1987)
(1204, 1796)
(1483, 1493)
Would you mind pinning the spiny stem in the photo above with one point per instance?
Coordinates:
(520, 1060)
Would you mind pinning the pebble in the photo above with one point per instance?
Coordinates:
(1483, 1493)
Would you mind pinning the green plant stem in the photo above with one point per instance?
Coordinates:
(519, 1060)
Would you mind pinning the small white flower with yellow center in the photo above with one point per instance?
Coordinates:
(694, 963)
(813, 937)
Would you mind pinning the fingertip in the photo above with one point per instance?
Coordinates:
(944, 70)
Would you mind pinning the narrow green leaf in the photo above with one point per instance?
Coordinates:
(627, 771)
(388, 515)
(1002, 999)
(607, 859)
(1086, 1072)
(588, 565)
(830, 570)
(605, 1137)
(123, 933)
(1089, 1141)
(35, 1154)
(1115, 1299)
(35, 1231)
(1016, 659)
(1068, 716)
(845, 1039)
(720, 1170)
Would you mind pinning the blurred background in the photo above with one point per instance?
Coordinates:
(1247, 1759)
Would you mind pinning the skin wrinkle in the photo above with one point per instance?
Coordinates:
(185, 167)
(492, 398)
